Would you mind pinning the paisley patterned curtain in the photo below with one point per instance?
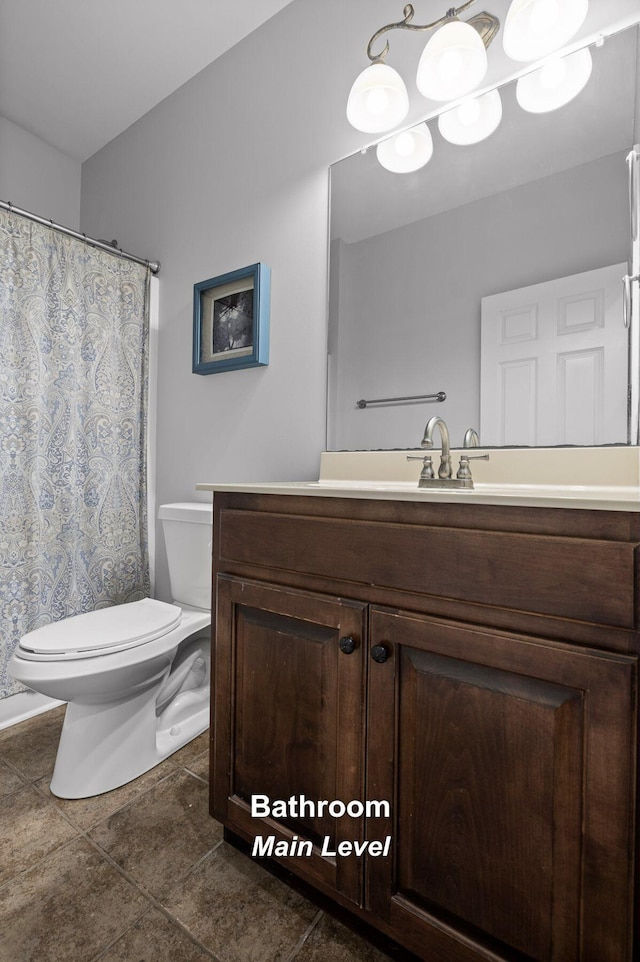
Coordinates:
(73, 430)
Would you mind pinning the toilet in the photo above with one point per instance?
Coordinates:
(135, 676)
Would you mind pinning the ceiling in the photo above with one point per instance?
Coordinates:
(76, 73)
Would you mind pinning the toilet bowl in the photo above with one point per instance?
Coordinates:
(135, 676)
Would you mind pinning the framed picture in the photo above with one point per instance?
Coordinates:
(231, 321)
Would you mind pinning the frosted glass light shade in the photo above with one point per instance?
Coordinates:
(473, 120)
(378, 100)
(407, 151)
(555, 84)
(453, 62)
(535, 28)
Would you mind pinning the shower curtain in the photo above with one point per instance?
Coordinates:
(74, 334)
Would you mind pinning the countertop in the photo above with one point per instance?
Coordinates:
(602, 498)
(534, 477)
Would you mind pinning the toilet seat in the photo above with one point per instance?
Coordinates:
(101, 632)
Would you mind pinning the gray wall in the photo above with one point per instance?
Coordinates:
(37, 177)
(408, 313)
(230, 170)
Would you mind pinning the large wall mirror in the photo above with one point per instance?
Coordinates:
(493, 274)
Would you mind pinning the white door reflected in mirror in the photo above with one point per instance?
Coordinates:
(554, 363)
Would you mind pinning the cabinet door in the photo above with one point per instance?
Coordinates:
(510, 765)
(289, 721)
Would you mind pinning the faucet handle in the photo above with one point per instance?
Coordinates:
(464, 471)
(427, 465)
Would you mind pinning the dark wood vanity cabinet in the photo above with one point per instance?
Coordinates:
(474, 666)
(290, 717)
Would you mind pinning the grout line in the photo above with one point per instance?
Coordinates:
(31, 783)
(197, 864)
(106, 948)
(52, 799)
(154, 901)
(195, 775)
(14, 768)
(184, 931)
(305, 935)
(85, 833)
(30, 868)
(81, 832)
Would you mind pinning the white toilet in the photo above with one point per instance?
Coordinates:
(135, 676)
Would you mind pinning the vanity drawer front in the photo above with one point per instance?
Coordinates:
(579, 578)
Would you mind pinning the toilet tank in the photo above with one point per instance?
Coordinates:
(187, 534)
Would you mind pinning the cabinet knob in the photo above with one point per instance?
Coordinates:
(379, 653)
(348, 645)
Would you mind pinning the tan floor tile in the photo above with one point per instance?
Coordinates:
(68, 903)
(330, 941)
(200, 766)
(66, 908)
(192, 750)
(33, 744)
(160, 835)
(10, 782)
(31, 828)
(240, 911)
(155, 939)
(85, 812)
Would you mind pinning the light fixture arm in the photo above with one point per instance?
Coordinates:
(485, 23)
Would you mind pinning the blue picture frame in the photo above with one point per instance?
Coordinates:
(231, 320)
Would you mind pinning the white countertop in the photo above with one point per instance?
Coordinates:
(539, 477)
(551, 496)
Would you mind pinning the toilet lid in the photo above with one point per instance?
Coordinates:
(103, 631)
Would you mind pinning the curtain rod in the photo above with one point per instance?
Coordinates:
(154, 266)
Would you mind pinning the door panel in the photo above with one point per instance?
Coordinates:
(288, 752)
(290, 719)
(554, 360)
(465, 836)
(513, 759)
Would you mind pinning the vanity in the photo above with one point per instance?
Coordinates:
(465, 662)
(426, 699)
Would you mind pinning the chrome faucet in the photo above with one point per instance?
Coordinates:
(444, 471)
(471, 439)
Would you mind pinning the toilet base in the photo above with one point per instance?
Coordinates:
(95, 757)
(169, 740)
(105, 745)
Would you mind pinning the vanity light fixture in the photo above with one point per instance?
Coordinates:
(555, 83)
(378, 100)
(453, 63)
(473, 120)
(454, 60)
(407, 151)
(535, 28)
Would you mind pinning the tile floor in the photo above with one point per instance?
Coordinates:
(141, 873)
